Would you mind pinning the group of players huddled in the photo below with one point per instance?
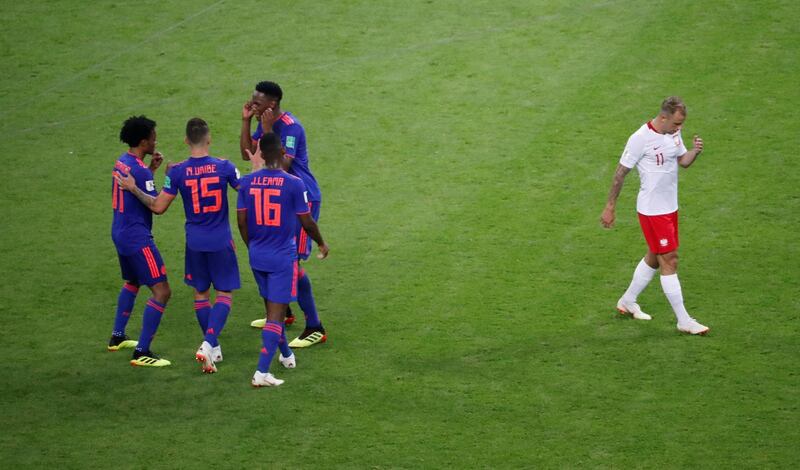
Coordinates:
(277, 208)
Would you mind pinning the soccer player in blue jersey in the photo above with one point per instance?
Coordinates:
(139, 259)
(266, 105)
(203, 182)
(271, 202)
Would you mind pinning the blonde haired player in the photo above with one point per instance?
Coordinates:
(656, 150)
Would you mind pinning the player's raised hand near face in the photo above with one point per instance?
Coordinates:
(268, 118)
(255, 159)
(698, 143)
(248, 110)
(155, 161)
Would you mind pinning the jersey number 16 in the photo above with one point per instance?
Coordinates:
(267, 213)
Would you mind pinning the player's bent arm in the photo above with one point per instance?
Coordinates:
(689, 157)
(312, 229)
(157, 204)
(246, 141)
(241, 220)
(287, 162)
(162, 202)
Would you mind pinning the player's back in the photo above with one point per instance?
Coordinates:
(272, 199)
(203, 184)
(133, 222)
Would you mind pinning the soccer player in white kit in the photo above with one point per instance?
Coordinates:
(656, 150)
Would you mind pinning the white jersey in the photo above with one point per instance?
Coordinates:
(655, 157)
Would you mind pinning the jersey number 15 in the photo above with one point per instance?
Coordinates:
(205, 192)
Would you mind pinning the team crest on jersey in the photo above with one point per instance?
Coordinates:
(150, 185)
(290, 142)
(167, 183)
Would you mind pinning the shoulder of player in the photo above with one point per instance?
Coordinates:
(296, 182)
(175, 168)
(290, 122)
(246, 179)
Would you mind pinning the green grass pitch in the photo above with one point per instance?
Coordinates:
(464, 150)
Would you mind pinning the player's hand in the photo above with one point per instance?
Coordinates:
(125, 180)
(268, 118)
(155, 161)
(248, 110)
(323, 251)
(607, 217)
(255, 159)
(698, 143)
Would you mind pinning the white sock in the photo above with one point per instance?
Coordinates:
(641, 278)
(672, 289)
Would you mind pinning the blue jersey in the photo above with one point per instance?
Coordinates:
(293, 139)
(133, 221)
(273, 199)
(203, 184)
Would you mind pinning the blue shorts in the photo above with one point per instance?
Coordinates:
(301, 238)
(279, 287)
(145, 266)
(220, 268)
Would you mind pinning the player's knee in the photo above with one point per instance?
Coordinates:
(162, 293)
(669, 261)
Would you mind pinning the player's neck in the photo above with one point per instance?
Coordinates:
(136, 152)
(654, 123)
(273, 166)
(198, 152)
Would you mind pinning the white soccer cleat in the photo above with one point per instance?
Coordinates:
(265, 380)
(692, 327)
(204, 356)
(632, 309)
(216, 353)
(288, 362)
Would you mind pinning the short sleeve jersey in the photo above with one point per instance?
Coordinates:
(655, 157)
(293, 139)
(133, 221)
(272, 199)
(203, 185)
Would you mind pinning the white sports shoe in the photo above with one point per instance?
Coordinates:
(265, 380)
(692, 327)
(288, 362)
(204, 356)
(216, 353)
(632, 309)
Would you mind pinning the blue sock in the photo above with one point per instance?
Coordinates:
(305, 298)
(202, 309)
(286, 351)
(270, 336)
(150, 321)
(219, 315)
(127, 297)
